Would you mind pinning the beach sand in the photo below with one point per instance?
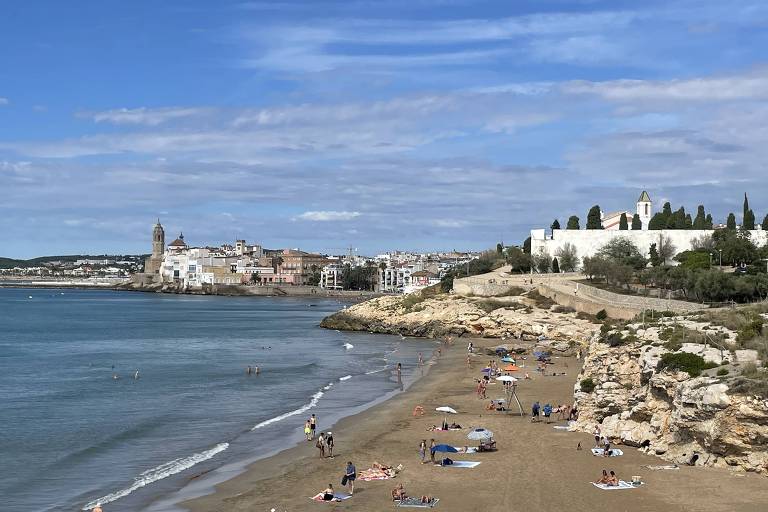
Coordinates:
(536, 467)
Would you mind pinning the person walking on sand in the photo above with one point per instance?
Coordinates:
(351, 475)
(320, 444)
(432, 450)
(329, 443)
(307, 431)
(313, 425)
(596, 433)
(535, 411)
(547, 412)
(423, 450)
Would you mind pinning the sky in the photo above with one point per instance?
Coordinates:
(377, 125)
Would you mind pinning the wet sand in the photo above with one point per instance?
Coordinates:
(536, 467)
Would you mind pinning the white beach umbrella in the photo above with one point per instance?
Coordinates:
(480, 434)
(445, 408)
(506, 378)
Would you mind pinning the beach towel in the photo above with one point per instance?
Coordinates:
(622, 485)
(461, 464)
(470, 449)
(416, 503)
(615, 452)
(336, 497)
(560, 427)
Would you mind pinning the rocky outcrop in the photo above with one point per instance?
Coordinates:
(444, 315)
(671, 414)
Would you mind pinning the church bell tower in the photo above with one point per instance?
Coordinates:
(644, 209)
(158, 240)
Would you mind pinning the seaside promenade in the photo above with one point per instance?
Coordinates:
(536, 467)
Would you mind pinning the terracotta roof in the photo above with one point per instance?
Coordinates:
(179, 242)
(644, 198)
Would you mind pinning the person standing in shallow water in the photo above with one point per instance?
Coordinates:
(313, 425)
(308, 430)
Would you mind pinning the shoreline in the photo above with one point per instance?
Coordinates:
(536, 464)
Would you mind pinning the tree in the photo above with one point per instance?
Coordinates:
(624, 251)
(568, 259)
(765, 222)
(688, 221)
(555, 266)
(749, 220)
(666, 249)
(518, 260)
(658, 221)
(704, 243)
(709, 224)
(745, 211)
(677, 219)
(700, 222)
(636, 222)
(694, 260)
(731, 222)
(555, 225)
(527, 246)
(499, 249)
(623, 226)
(593, 218)
(541, 261)
(654, 256)
(573, 223)
(666, 210)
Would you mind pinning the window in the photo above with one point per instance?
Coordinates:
(646, 210)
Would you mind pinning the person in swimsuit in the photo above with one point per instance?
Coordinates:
(613, 479)
(398, 493)
(423, 450)
(313, 425)
(604, 478)
(329, 443)
(97, 508)
(596, 433)
(320, 444)
(351, 474)
(308, 430)
(432, 450)
(328, 493)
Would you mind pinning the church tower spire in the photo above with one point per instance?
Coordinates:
(644, 209)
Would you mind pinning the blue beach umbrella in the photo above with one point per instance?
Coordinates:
(444, 448)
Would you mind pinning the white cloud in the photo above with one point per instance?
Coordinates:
(143, 115)
(326, 216)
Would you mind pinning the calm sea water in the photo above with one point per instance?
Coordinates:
(71, 434)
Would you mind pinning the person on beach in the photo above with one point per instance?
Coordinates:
(606, 447)
(432, 450)
(351, 475)
(535, 411)
(328, 493)
(398, 493)
(469, 361)
(399, 372)
(470, 347)
(308, 430)
(421, 360)
(613, 479)
(547, 412)
(329, 443)
(604, 478)
(313, 425)
(423, 450)
(596, 433)
(320, 444)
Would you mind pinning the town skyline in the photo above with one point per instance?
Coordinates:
(426, 125)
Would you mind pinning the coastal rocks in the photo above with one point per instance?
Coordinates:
(678, 417)
(443, 315)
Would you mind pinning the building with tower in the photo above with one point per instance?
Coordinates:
(153, 264)
(644, 209)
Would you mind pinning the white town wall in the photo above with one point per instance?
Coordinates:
(589, 241)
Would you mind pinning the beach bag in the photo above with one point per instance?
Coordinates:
(344, 480)
(447, 461)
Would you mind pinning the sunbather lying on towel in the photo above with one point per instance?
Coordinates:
(398, 493)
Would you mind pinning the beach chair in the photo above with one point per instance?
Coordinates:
(487, 446)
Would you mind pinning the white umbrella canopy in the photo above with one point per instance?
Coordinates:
(480, 434)
(506, 378)
(445, 408)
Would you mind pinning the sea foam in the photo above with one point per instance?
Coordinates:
(158, 473)
(304, 408)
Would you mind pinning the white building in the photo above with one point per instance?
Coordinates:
(331, 277)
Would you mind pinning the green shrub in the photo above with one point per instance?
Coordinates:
(691, 363)
(722, 371)
(587, 385)
(541, 301)
(601, 315)
(614, 339)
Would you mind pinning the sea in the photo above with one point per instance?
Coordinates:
(79, 426)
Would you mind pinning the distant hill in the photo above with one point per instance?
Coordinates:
(42, 260)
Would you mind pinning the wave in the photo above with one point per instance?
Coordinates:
(349, 346)
(377, 371)
(304, 408)
(346, 377)
(158, 473)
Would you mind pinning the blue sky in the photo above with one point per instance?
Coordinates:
(418, 124)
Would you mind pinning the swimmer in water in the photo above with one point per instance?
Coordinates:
(256, 370)
(115, 376)
(136, 375)
(248, 370)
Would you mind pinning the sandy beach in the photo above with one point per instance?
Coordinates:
(536, 467)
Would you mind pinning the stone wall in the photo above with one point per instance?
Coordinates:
(589, 241)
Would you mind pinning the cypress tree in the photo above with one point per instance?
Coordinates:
(731, 222)
(666, 210)
(573, 223)
(688, 221)
(700, 221)
(638, 224)
(765, 222)
(654, 256)
(555, 266)
(623, 222)
(709, 223)
(527, 246)
(746, 210)
(593, 218)
(657, 221)
(555, 225)
(749, 220)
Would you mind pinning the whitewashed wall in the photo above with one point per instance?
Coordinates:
(589, 241)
